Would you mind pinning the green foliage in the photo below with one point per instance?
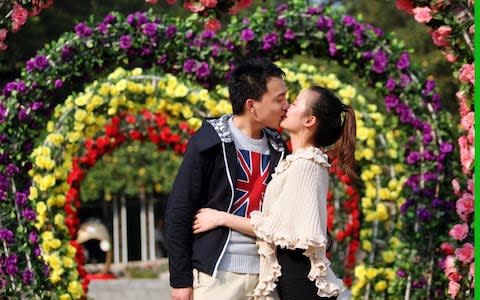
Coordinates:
(130, 168)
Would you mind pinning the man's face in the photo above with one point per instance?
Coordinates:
(273, 105)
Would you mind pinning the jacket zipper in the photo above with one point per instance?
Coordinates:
(229, 207)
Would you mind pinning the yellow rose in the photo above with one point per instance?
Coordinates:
(384, 194)
(187, 112)
(149, 89)
(121, 85)
(367, 245)
(137, 71)
(388, 256)
(65, 297)
(68, 262)
(55, 243)
(382, 212)
(367, 175)
(380, 286)
(71, 251)
(371, 273)
(360, 271)
(368, 154)
(47, 182)
(41, 208)
(81, 100)
(75, 289)
(362, 133)
(395, 242)
(54, 278)
(366, 202)
(59, 220)
(181, 91)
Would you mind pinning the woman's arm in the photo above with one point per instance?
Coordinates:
(207, 219)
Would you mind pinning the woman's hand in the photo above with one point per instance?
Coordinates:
(207, 219)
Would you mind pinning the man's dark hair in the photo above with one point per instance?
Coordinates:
(249, 81)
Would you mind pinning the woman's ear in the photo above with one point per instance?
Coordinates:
(310, 121)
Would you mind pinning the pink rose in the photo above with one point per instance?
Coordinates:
(468, 120)
(466, 253)
(456, 187)
(213, 25)
(193, 7)
(467, 73)
(19, 17)
(440, 36)
(3, 46)
(449, 56)
(209, 3)
(3, 34)
(471, 30)
(470, 185)
(446, 248)
(422, 14)
(151, 1)
(471, 272)
(462, 98)
(465, 206)
(459, 231)
(453, 288)
(455, 276)
(471, 136)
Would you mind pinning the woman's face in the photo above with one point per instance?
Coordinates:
(298, 111)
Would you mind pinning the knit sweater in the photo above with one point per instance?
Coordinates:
(294, 215)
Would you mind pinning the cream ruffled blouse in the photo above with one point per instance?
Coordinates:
(294, 215)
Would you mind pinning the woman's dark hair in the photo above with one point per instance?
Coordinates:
(331, 130)
(249, 81)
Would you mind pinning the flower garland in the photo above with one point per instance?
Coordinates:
(163, 41)
(451, 24)
(18, 12)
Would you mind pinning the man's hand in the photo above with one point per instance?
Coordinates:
(182, 293)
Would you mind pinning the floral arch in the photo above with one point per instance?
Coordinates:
(205, 58)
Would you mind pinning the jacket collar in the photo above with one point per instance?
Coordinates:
(220, 125)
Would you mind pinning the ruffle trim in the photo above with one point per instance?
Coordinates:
(314, 249)
(310, 153)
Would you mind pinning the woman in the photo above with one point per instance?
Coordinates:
(292, 227)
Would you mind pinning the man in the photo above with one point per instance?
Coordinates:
(227, 165)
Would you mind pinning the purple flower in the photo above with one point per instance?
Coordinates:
(145, 51)
(428, 155)
(289, 34)
(245, 21)
(436, 101)
(314, 10)
(58, 83)
(215, 49)
(27, 276)
(103, 28)
(29, 214)
(437, 203)
(36, 105)
(380, 61)
(32, 237)
(171, 30)
(391, 101)
(67, 53)
(413, 157)
(429, 176)
(405, 80)
(11, 265)
(390, 84)
(137, 19)
(281, 8)
(401, 273)
(162, 60)
(208, 34)
(37, 251)
(20, 199)
(3, 113)
(281, 22)
(83, 30)
(269, 40)
(427, 138)
(150, 29)
(188, 34)
(6, 235)
(109, 19)
(446, 148)
(125, 42)
(190, 66)
(367, 55)
(348, 21)
(405, 206)
(40, 62)
(332, 49)
(330, 36)
(322, 23)
(247, 35)
(22, 115)
(429, 86)
(404, 61)
(12, 170)
(203, 70)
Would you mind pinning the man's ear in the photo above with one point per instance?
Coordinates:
(310, 121)
(249, 105)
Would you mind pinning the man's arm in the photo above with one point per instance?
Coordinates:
(181, 206)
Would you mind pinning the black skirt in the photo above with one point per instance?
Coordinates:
(294, 283)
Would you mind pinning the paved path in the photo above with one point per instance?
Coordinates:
(130, 289)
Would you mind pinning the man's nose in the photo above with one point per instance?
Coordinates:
(286, 105)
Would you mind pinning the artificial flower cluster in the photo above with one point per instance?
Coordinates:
(207, 58)
(16, 15)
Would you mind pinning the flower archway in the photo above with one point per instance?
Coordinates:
(180, 47)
